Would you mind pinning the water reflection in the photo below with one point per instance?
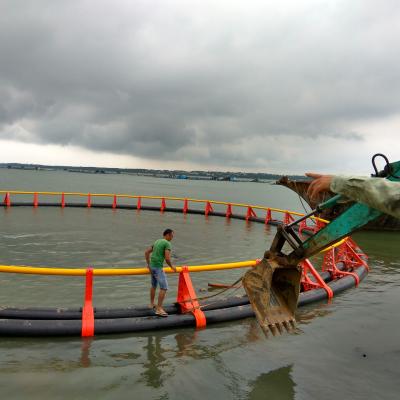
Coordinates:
(160, 363)
(153, 367)
(85, 352)
(277, 384)
(307, 314)
(186, 345)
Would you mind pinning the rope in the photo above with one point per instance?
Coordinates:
(212, 295)
(301, 202)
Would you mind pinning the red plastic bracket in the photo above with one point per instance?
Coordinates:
(35, 200)
(87, 311)
(208, 208)
(329, 264)
(187, 298)
(7, 200)
(318, 225)
(250, 213)
(185, 206)
(303, 226)
(347, 254)
(228, 213)
(268, 216)
(62, 200)
(358, 253)
(114, 204)
(163, 205)
(287, 219)
(317, 282)
(89, 200)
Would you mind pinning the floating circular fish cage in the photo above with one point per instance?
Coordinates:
(344, 266)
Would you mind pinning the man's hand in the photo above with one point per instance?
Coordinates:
(147, 256)
(321, 183)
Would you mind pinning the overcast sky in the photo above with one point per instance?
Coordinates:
(269, 86)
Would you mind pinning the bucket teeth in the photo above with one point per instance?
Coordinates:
(273, 292)
(286, 325)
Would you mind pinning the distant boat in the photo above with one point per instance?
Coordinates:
(384, 222)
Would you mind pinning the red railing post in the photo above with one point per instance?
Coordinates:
(114, 204)
(302, 226)
(163, 205)
(268, 216)
(62, 200)
(317, 282)
(185, 206)
(89, 200)
(35, 200)
(250, 213)
(318, 225)
(139, 203)
(187, 299)
(87, 310)
(329, 264)
(287, 219)
(208, 208)
(228, 213)
(7, 200)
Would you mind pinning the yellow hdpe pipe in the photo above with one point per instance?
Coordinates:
(19, 269)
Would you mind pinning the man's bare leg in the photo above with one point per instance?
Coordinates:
(161, 297)
(152, 296)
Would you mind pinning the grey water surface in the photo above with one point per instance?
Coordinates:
(347, 349)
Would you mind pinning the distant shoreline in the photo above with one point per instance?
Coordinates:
(172, 174)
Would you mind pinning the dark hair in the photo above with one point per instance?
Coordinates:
(167, 232)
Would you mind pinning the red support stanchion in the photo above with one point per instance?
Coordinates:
(208, 208)
(7, 200)
(62, 200)
(318, 225)
(187, 298)
(35, 200)
(250, 213)
(349, 257)
(89, 200)
(87, 310)
(287, 219)
(114, 204)
(329, 264)
(228, 213)
(317, 282)
(268, 216)
(185, 206)
(163, 205)
(139, 203)
(357, 252)
(303, 225)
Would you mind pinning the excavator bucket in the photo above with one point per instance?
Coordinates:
(273, 290)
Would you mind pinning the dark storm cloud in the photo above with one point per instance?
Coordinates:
(199, 81)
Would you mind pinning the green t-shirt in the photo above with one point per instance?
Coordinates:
(158, 254)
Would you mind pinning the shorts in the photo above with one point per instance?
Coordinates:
(159, 277)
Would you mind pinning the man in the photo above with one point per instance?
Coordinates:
(160, 251)
(378, 193)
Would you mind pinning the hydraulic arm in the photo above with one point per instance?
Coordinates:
(273, 286)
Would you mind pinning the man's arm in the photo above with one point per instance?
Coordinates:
(167, 255)
(147, 256)
(378, 193)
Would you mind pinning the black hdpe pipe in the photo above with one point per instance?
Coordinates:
(33, 313)
(72, 327)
